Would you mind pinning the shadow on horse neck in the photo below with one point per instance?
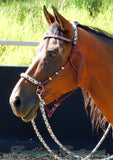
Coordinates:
(97, 117)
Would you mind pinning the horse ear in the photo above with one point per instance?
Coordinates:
(61, 21)
(50, 19)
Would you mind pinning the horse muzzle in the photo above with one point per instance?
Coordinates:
(24, 103)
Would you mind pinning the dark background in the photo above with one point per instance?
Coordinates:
(70, 123)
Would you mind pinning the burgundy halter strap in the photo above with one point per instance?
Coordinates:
(42, 84)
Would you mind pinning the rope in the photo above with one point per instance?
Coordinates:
(53, 135)
(100, 142)
(42, 103)
(43, 142)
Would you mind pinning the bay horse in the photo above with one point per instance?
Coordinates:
(90, 67)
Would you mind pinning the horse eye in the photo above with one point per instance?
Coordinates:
(52, 55)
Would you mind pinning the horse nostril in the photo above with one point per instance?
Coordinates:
(17, 102)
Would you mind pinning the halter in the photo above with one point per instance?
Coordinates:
(39, 92)
(41, 85)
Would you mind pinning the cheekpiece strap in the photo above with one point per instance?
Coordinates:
(75, 33)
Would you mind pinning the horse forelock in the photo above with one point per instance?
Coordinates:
(55, 29)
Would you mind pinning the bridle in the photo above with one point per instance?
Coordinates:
(41, 85)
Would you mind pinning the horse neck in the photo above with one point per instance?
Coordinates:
(97, 70)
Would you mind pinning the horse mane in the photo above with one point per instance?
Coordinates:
(98, 120)
(99, 32)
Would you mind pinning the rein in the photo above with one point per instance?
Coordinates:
(39, 92)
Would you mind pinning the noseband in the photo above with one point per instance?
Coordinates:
(41, 85)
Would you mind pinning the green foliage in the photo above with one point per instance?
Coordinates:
(23, 20)
(94, 7)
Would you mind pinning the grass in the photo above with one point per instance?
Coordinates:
(23, 20)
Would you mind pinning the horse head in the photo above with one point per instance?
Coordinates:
(54, 66)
